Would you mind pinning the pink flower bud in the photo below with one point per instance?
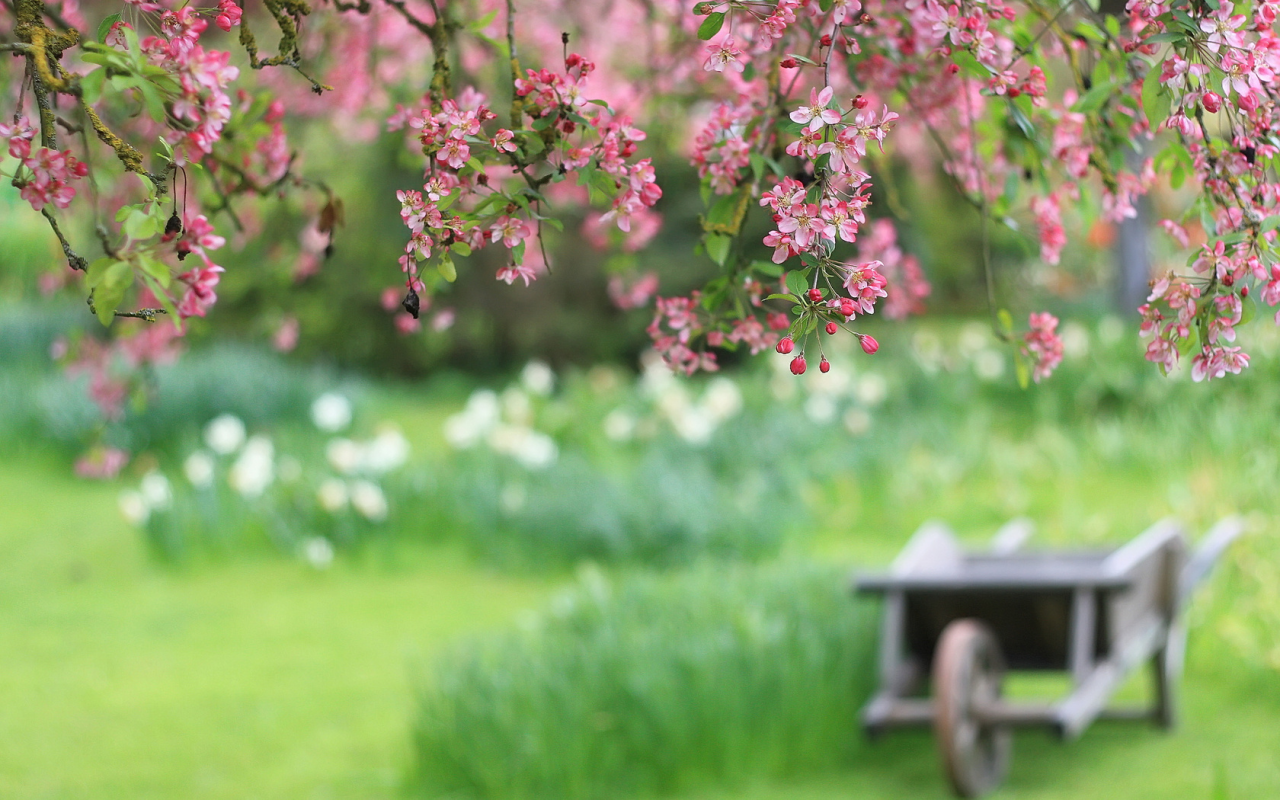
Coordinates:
(785, 345)
(1211, 102)
(869, 344)
(832, 328)
(798, 365)
(815, 295)
(824, 366)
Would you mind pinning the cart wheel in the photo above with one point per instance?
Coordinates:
(1167, 667)
(967, 670)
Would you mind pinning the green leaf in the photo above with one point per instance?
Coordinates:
(96, 271)
(790, 298)
(767, 267)
(114, 281)
(718, 247)
(154, 268)
(447, 269)
(825, 5)
(1248, 310)
(1006, 321)
(482, 23)
(153, 101)
(1020, 119)
(1094, 98)
(711, 25)
(1155, 98)
(141, 225)
(1269, 224)
(461, 248)
(104, 27)
(91, 85)
(1023, 371)
(798, 281)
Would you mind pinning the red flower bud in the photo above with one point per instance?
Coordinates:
(869, 344)
(787, 63)
(825, 41)
(1211, 102)
(785, 345)
(824, 365)
(815, 295)
(798, 366)
(1244, 291)
(832, 328)
(859, 102)
(953, 69)
(1014, 91)
(846, 308)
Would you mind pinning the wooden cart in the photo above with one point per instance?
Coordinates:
(963, 619)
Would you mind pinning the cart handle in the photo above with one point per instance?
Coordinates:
(1211, 548)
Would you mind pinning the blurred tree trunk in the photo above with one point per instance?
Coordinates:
(1133, 266)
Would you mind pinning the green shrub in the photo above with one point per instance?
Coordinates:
(652, 685)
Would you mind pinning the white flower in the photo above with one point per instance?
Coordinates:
(344, 455)
(199, 469)
(331, 412)
(537, 451)
(722, 398)
(368, 499)
(820, 408)
(224, 434)
(619, 426)
(538, 378)
(974, 337)
(388, 450)
(512, 499)
(332, 495)
(134, 508)
(318, 552)
(1075, 340)
(857, 421)
(872, 389)
(657, 377)
(156, 491)
(466, 428)
(988, 364)
(254, 469)
(694, 424)
(516, 406)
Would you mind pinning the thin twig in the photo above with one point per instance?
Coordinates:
(73, 259)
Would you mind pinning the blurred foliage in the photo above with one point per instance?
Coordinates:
(652, 684)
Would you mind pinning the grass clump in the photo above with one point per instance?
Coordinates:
(652, 685)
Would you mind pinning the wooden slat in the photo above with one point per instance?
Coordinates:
(1123, 560)
(1087, 701)
(1012, 536)
(1210, 549)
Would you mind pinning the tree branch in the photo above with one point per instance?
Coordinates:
(73, 259)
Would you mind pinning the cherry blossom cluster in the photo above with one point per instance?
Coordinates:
(43, 176)
(484, 188)
(1041, 345)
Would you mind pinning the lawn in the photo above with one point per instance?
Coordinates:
(265, 678)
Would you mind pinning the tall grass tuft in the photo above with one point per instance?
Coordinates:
(652, 685)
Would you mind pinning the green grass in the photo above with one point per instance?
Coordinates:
(249, 679)
(122, 679)
(260, 677)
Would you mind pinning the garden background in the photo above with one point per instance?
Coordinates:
(516, 558)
